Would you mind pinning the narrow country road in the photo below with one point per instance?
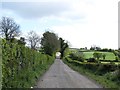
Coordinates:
(61, 76)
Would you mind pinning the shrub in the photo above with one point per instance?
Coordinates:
(80, 58)
(73, 56)
(104, 68)
(116, 58)
(77, 56)
(91, 60)
(97, 55)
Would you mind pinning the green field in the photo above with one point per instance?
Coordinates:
(109, 55)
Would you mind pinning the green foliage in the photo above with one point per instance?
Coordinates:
(21, 41)
(63, 47)
(91, 60)
(0, 64)
(105, 68)
(49, 43)
(21, 65)
(108, 55)
(103, 55)
(77, 56)
(116, 58)
(117, 55)
(97, 55)
(107, 75)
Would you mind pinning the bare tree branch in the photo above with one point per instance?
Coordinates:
(8, 28)
(34, 39)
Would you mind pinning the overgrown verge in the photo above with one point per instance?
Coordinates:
(108, 75)
(0, 64)
(22, 66)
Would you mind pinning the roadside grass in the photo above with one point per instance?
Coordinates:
(100, 79)
(0, 64)
(35, 75)
(109, 55)
(117, 63)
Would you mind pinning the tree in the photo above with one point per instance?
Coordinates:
(97, 55)
(63, 46)
(85, 48)
(98, 48)
(21, 41)
(104, 49)
(92, 48)
(8, 28)
(104, 56)
(33, 39)
(49, 43)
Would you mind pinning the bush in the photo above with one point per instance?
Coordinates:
(77, 56)
(73, 56)
(91, 60)
(97, 55)
(116, 58)
(104, 68)
(81, 59)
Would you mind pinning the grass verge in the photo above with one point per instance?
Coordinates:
(100, 79)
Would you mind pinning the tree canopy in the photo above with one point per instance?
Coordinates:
(49, 43)
(63, 46)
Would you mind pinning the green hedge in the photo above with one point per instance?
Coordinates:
(97, 68)
(22, 66)
(107, 75)
(0, 64)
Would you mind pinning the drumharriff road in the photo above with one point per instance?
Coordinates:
(60, 75)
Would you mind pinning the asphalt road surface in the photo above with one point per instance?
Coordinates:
(60, 75)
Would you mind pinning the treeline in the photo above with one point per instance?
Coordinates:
(49, 43)
(22, 65)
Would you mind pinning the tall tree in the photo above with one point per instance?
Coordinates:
(49, 43)
(8, 28)
(63, 46)
(33, 39)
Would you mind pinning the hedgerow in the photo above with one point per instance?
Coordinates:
(22, 66)
(108, 75)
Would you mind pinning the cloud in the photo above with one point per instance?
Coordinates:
(81, 22)
(36, 9)
(65, 9)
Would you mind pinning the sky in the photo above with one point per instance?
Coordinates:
(82, 23)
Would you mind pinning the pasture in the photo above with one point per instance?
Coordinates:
(109, 55)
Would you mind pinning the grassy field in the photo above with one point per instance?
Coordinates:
(109, 55)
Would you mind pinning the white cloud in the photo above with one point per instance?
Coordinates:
(35, 9)
(83, 23)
